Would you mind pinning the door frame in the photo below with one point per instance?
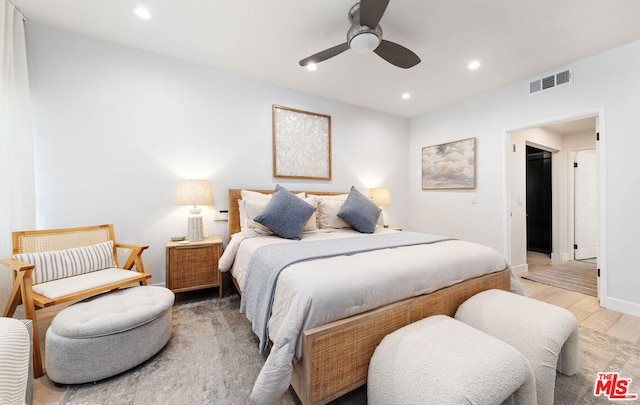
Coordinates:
(600, 147)
(517, 198)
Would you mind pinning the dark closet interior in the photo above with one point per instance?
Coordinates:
(538, 200)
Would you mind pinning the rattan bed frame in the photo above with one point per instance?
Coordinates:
(335, 356)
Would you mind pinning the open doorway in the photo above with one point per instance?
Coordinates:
(553, 148)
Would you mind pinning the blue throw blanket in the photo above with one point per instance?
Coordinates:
(268, 261)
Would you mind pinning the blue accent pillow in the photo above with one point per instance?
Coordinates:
(285, 214)
(360, 212)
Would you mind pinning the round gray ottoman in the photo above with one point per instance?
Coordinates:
(107, 334)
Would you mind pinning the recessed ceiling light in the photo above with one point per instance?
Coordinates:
(312, 66)
(474, 65)
(142, 12)
(406, 96)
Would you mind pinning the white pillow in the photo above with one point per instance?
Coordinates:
(248, 195)
(241, 215)
(342, 197)
(328, 208)
(254, 195)
(253, 208)
(57, 264)
(312, 223)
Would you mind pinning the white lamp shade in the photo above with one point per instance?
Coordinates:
(380, 196)
(194, 192)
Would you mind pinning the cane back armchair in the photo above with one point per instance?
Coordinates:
(35, 286)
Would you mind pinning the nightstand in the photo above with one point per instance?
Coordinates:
(194, 265)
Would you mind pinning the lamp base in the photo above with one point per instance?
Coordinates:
(195, 230)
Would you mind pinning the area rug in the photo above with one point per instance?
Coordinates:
(573, 275)
(212, 358)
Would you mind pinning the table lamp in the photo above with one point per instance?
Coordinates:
(194, 192)
(380, 196)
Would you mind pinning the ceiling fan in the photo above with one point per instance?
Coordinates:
(365, 35)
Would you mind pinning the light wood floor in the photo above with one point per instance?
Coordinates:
(586, 309)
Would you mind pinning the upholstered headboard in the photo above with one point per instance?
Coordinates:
(234, 211)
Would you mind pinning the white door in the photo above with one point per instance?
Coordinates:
(586, 205)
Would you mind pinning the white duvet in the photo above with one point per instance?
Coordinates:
(316, 292)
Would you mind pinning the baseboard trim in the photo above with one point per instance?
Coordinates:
(626, 307)
(521, 269)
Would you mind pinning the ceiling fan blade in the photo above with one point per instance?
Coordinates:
(371, 12)
(397, 54)
(324, 55)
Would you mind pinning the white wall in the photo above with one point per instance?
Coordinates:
(608, 83)
(115, 128)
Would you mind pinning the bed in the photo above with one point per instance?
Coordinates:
(332, 355)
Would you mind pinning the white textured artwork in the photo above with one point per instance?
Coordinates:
(449, 165)
(301, 144)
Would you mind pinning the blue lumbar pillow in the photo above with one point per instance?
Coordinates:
(285, 214)
(360, 212)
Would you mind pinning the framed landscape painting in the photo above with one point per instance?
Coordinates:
(449, 166)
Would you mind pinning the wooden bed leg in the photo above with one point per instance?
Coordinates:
(301, 379)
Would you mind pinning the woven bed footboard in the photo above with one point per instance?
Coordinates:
(335, 356)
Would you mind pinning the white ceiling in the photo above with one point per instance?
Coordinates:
(573, 126)
(514, 39)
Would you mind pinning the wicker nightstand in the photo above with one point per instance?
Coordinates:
(194, 265)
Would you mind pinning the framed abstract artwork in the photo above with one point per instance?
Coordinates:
(449, 165)
(301, 144)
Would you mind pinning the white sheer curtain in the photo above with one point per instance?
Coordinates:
(17, 180)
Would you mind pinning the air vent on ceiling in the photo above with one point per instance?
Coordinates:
(550, 81)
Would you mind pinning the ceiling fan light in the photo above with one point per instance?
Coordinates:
(474, 65)
(364, 42)
(142, 12)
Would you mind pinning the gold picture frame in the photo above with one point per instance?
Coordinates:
(449, 166)
(301, 144)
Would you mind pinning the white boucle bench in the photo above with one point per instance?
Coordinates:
(545, 334)
(107, 334)
(439, 360)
